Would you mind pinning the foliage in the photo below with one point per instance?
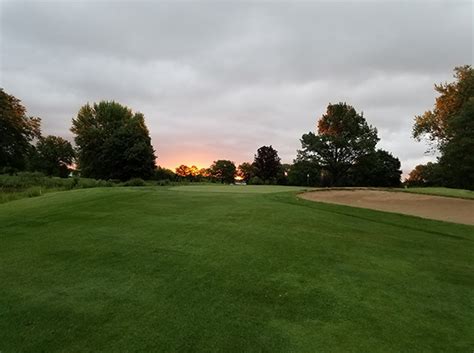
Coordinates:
(451, 126)
(425, 175)
(112, 142)
(457, 154)
(53, 156)
(267, 164)
(135, 182)
(17, 131)
(434, 124)
(223, 171)
(129, 270)
(246, 171)
(304, 172)
(255, 181)
(379, 168)
(204, 173)
(164, 174)
(188, 173)
(343, 137)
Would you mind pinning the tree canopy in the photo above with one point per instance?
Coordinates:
(223, 171)
(424, 175)
(17, 131)
(457, 154)
(434, 124)
(379, 168)
(53, 156)
(112, 142)
(189, 173)
(246, 171)
(451, 126)
(304, 172)
(343, 137)
(267, 164)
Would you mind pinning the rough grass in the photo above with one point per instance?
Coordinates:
(151, 269)
(440, 191)
(26, 185)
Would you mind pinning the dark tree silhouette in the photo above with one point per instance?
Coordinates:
(223, 170)
(17, 131)
(246, 171)
(457, 154)
(53, 156)
(379, 168)
(267, 164)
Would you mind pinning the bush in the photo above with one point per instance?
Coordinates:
(255, 181)
(271, 181)
(163, 182)
(135, 182)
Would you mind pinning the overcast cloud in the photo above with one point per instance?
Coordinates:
(216, 80)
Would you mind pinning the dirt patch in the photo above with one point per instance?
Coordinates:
(426, 206)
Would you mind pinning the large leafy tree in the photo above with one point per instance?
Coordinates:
(53, 156)
(223, 170)
(246, 171)
(379, 168)
(112, 142)
(457, 154)
(343, 137)
(17, 131)
(450, 125)
(267, 164)
(434, 124)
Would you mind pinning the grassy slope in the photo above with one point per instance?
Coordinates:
(439, 191)
(133, 270)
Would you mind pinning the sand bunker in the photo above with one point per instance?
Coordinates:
(426, 206)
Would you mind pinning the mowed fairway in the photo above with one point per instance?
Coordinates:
(193, 270)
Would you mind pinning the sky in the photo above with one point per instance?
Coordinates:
(219, 79)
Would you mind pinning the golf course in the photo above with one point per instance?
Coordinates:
(211, 268)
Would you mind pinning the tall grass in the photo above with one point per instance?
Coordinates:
(23, 185)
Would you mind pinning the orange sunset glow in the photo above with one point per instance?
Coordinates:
(198, 159)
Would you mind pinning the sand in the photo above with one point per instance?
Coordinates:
(433, 207)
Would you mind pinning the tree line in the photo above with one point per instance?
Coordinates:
(113, 143)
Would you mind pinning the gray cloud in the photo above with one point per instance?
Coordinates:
(219, 79)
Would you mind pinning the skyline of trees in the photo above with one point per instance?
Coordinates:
(107, 119)
(112, 142)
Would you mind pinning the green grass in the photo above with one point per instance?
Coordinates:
(241, 189)
(156, 269)
(440, 191)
